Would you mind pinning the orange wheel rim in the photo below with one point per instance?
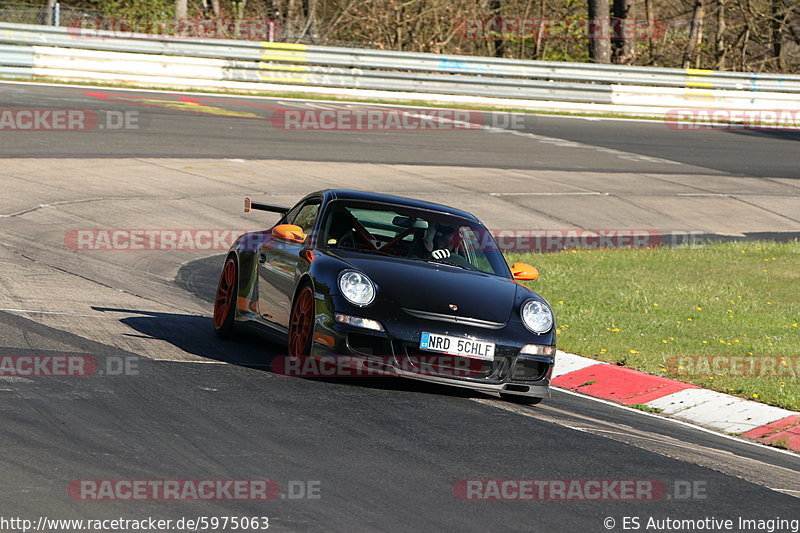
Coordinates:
(225, 289)
(300, 322)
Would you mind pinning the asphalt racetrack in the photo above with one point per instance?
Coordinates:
(169, 401)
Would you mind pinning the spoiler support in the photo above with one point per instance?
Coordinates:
(250, 205)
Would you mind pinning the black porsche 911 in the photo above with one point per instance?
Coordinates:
(417, 288)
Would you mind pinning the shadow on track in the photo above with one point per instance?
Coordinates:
(194, 334)
(784, 134)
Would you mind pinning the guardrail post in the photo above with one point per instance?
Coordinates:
(53, 13)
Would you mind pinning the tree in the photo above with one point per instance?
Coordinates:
(621, 43)
(181, 9)
(499, 43)
(779, 15)
(651, 21)
(691, 54)
(720, 49)
(599, 44)
(213, 7)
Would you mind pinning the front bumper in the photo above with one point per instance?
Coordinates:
(535, 390)
(396, 351)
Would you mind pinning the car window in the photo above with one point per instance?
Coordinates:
(304, 215)
(410, 233)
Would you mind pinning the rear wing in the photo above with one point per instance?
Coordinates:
(250, 205)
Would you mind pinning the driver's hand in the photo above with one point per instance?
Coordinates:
(441, 254)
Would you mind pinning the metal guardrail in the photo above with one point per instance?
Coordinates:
(73, 53)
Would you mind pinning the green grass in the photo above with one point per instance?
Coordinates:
(646, 408)
(645, 308)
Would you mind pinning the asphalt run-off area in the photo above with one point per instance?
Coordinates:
(138, 411)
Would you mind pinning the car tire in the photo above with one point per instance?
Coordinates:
(516, 398)
(301, 322)
(225, 300)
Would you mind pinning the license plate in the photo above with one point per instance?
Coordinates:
(434, 342)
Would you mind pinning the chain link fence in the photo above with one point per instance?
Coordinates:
(39, 14)
(88, 20)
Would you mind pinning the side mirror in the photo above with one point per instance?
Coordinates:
(523, 272)
(290, 233)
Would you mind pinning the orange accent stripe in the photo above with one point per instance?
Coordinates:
(327, 340)
(248, 305)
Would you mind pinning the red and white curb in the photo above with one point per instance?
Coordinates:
(683, 401)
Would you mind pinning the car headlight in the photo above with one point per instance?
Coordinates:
(536, 316)
(357, 288)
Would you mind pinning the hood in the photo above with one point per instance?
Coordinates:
(431, 287)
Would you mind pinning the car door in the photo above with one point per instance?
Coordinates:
(278, 266)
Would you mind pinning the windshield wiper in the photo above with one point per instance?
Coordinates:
(443, 262)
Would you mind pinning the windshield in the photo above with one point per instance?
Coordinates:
(410, 233)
